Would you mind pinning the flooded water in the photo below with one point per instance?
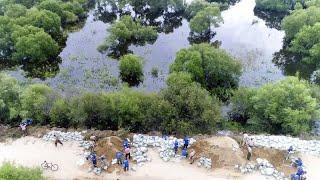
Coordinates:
(249, 38)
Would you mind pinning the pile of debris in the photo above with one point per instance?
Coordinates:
(284, 142)
(68, 136)
(205, 162)
(265, 168)
(165, 147)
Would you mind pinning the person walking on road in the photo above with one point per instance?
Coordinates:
(57, 140)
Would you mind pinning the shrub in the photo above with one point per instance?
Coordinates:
(37, 100)
(131, 69)
(10, 172)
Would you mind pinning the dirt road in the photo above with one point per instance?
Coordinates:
(32, 152)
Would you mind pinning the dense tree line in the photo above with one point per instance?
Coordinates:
(183, 107)
(31, 31)
(286, 107)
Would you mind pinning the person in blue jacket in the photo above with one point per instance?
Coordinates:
(93, 159)
(298, 162)
(176, 145)
(119, 157)
(300, 172)
(126, 165)
(125, 144)
(186, 142)
(289, 152)
(184, 152)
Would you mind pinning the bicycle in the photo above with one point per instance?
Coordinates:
(46, 165)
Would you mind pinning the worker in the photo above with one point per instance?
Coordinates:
(244, 139)
(289, 152)
(298, 162)
(184, 152)
(93, 159)
(57, 140)
(127, 153)
(299, 175)
(176, 145)
(192, 156)
(23, 128)
(125, 144)
(186, 142)
(126, 165)
(119, 156)
(249, 154)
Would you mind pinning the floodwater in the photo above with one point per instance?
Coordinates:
(244, 35)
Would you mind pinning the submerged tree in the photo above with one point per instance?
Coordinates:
(128, 31)
(204, 19)
(213, 68)
(131, 69)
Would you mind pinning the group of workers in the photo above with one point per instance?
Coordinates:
(127, 155)
(184, 151)
(300, 174)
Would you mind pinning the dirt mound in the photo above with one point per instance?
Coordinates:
(220, 150)
(108, 147)
(275, 157)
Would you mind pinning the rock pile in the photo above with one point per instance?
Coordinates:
(265, 168)
(68, 136)
(205, 162)
(284, 142)
(165, 147)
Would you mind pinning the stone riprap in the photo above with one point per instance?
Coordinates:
(284, 142)
(264, 167)
(205, 162)
(165, 146)
(68, 136)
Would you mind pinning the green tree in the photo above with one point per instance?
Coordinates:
(196, 111)
(9, 99)
(195, 6)
(9, 171)
(33, 44)
(131, 69)
(293, 23)
(241, 105)
(284, 107)
(204, 19)
(15, 10)
(274, 5)
(213, 68)
(26, 3)
(37, 100)
(59, 113)
(49, 21)
(126, 30)
(6, 42)
(306, 44)
(54, 6)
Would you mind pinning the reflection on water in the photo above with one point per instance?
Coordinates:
(249, 39)
(83, 66)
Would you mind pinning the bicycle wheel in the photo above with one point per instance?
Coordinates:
(44, 165)
(54, 167)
